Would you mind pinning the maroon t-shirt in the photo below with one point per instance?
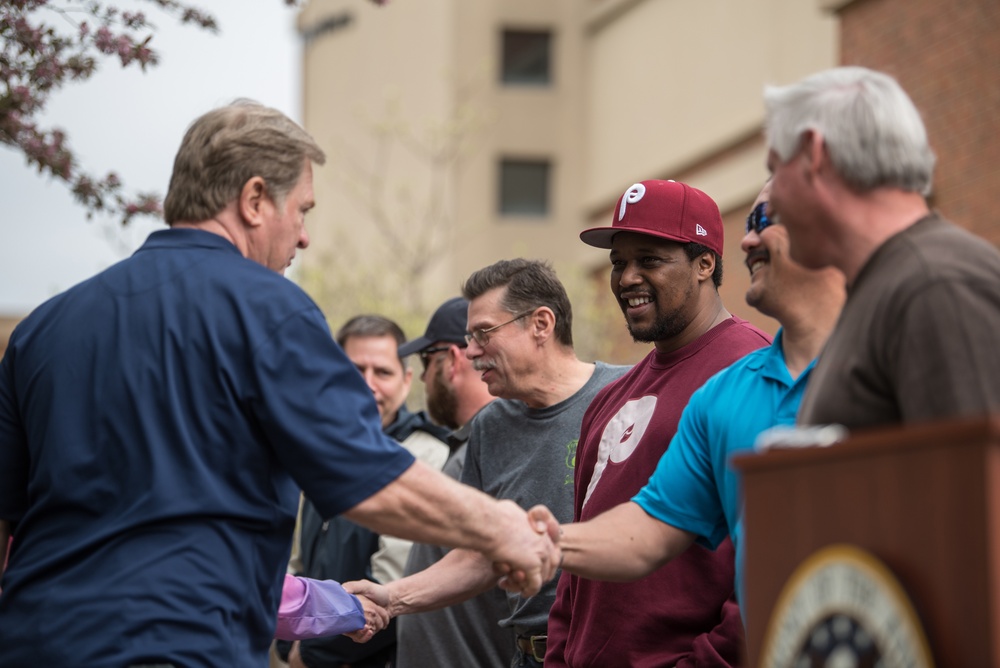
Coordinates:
(685, 611)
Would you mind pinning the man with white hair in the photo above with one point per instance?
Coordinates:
(917, 337)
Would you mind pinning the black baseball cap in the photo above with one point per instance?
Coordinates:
(447, 324)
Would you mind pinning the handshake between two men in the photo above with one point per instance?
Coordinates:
(493, 540)
(525, 557)
(592, 549)
(497, 543)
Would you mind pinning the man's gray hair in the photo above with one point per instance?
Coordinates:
(872, 130)
(225, 148)
(529, 284)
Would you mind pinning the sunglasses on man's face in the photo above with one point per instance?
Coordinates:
(758, 220)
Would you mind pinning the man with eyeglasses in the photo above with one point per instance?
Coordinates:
(852, 167)
(522, 446)
(467, 633)
(339, 549)
(694, 495)
(666, 242)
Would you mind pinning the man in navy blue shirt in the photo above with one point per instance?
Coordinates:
(158, 419)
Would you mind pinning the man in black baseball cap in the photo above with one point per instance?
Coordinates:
(447, 325)
(467, 632)
(454, 390)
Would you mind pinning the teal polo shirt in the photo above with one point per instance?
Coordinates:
(694, 487)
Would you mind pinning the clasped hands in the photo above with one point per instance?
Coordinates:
(525, 557)
(376, 615)
(376, 619)
(520, 573)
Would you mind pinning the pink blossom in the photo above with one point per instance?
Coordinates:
(37, 58)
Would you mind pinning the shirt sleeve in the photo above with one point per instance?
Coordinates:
(471, 473)
(321, 418)
(682, 490)
(945, 334)
(315, 608)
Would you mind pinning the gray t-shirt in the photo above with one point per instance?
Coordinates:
(528, 455)
(465, 634)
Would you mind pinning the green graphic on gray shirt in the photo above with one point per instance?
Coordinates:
(571, 460)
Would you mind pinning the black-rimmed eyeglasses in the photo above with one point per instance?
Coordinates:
(428, 353)
(758, 220)
(482, 336)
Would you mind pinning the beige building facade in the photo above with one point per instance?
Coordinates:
(7, 325)
(460, 133)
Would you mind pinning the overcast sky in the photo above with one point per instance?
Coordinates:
(132, 122)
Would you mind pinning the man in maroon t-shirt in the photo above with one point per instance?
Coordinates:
(666, 246)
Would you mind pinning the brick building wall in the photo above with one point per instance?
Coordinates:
(946, 54)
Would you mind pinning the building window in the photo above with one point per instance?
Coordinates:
(527, 57)
(524, 187)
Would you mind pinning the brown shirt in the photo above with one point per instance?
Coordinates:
(918, 337)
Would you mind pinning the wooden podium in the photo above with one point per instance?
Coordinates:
(924, 501)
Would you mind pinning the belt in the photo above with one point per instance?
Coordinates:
(533, 646)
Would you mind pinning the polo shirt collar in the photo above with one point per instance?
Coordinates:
(771, 363)
(187, 237)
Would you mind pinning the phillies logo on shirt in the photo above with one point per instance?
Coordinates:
(621, 437)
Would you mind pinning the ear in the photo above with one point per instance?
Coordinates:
(253, 200)
(814, 153)
(543, 323)
(704, 266)
(453, 357)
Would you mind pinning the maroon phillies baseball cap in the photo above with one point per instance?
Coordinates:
(665, 209)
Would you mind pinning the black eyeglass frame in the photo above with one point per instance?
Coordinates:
(426, 353)
(758, 220)
(481, 336)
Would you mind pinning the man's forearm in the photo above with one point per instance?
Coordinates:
(621, 544)
(427, 506)
(457, 577)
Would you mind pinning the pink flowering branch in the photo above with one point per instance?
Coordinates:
(45, 44)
